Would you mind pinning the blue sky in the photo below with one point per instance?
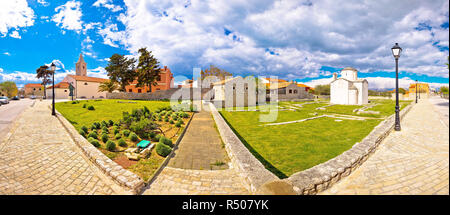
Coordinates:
(296, 40)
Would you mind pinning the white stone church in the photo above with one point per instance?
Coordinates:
(349, 89)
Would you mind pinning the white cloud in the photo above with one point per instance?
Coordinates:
(15, 14)
(15, 34)
(7, 53)
(90, 26)
(291, 39)
(69, 16)
(107, 4)
(43, 3)
(98, 72)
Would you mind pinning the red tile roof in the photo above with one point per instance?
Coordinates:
(33, 85)
(88, 79)
(62, 85)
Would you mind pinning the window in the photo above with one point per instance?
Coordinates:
(157, 88)
(290, 91)
(139, 91)
(158, 78)
(85, 83)
(65, 91)
(295, 91)
(130, 90)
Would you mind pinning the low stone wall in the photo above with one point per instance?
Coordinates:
(126, 179)
(157, 95)
(248, 167)
(323, 176)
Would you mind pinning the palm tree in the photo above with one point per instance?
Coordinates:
(107, 86)
(44, 73)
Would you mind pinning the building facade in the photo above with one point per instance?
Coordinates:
(86, 87)
(33, 89)
(61, 91)
(164, 82)
(349, 89)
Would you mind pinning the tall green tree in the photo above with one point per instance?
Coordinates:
(148, 69)
(322, 89)
(108, 86)
(9, 88)
(44, 73)
(121, 70)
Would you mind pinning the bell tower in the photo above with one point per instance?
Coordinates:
(80, 66)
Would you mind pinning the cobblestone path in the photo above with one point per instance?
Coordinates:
(412, 161)
(41, 158)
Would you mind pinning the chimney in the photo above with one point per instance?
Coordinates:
(334, 76)
(165, 67)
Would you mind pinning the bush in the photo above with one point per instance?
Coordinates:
(115, 130)
(126, 132)
(157, 137)
(166, 120)
(93, 127)
(163, 149)
(97, 125)
(104, 123)
(104, 138)
(110, 145)
(171, 122)
(111, 123)
(82, 133)
(122, 143)
(93, 135)
(166, 141)
(84, 105)
(133, 137)
(91, 107)
(118, 136)
(143, 126)
(152, 134)
(105, 130)
(94, 142)
(178, 124)
(84, 128)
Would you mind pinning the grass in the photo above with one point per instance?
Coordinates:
(290, 148)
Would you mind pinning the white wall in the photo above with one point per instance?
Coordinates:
(339, 92)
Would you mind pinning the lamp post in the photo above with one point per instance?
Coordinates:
(396, 50)
(416, 91)
(53, 68)
(419, 90)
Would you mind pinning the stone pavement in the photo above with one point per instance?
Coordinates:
(412, 161)
(174, 181)
(41, 158)
(201, 147)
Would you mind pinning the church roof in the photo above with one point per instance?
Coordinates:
(62, 85)
(80, 59)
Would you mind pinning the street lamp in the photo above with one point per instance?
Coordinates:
(396, 50)
(416, 91)
(53, 68)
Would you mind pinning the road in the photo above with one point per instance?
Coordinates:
(9, 112)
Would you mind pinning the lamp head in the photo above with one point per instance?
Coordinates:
(396, 50)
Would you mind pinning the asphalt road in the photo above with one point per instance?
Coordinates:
(9, 112)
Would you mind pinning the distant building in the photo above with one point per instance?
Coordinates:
(33, 89)
(164, 82)
(287, 91)
(349, 89)
(61, 91)
(423, 90)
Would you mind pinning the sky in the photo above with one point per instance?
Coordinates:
(299, 40)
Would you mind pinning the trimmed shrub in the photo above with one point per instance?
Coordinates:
(104, 123)
(157, 137)
(97, 125)
(104, 138)
(152, 134)
(166, 141)
(84, 105)
(111, 123)
(163, 149)
(93, 135)
(171, 122)
(82, 133)
(118, 136)
(122, 143)
(110, 145)
(115, 130)
(84, 128)
(93, 127)
(105, 130)
(91, 107)
(133, 137)
(126, 132)
(178, 124)
(94, 142)
(166, 120)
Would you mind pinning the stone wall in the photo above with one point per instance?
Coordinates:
(126, 179)
(323, 176)
(248, 167)
(157, 95)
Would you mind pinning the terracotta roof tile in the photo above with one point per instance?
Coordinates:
(33, 85)
(88, 79)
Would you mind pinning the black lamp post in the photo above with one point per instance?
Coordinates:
(396, 50)
(416, 91)
(419, 91)
(53, 68)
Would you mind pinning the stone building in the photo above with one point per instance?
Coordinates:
(33, 89)
(349, 89)
(287, 91)
(61, 91)
(163, 82)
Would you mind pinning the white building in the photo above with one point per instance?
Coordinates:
(348, 89)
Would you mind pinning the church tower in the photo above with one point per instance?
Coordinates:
(81, 67)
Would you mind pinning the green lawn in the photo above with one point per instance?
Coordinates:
(104, 110)
(286, 149)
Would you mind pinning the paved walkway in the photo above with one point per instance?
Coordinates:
(191, 171)
(41, 158)
(201, 147)
(412, 161)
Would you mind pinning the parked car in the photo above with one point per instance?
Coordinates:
(4, 100)
(22, 96)
(15, 98)
(32, 97)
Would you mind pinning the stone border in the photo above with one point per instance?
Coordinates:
(248, 167)
(121, 176)
(324, 175)
(167, 159)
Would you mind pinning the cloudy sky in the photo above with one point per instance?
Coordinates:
(301, 40)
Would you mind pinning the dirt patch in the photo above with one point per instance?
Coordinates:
(123, 161)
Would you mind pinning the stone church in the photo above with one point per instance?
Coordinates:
(349, 89)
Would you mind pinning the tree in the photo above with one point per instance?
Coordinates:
(444, 90)
(147, 69)
(44, 73)
(322, 89)
(9, 88)
(215, 71)
(448, 61)
(121, 70)
(108, 86)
